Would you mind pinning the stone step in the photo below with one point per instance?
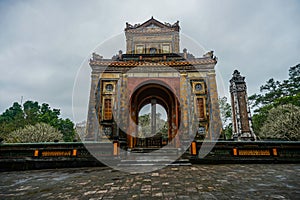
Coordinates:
(153, 157)
(171, 151)
(161, 162)
(146, 158)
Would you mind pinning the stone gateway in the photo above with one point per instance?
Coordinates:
(154, 73)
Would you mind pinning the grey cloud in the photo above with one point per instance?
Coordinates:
(43, 43)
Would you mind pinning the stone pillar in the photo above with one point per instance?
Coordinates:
(215, 124)
(242, 125)
(153, 117)
(173, 128)
(124, 106)
(117, 107)
(176, 43)
(185, 112)
(129, 42)
(92, 127)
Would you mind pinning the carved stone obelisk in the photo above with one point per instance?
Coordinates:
(241, 116)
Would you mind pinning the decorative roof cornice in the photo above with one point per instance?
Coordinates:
(166, 27)
(196, 61)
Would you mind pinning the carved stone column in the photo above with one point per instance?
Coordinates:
(215, 124)
(185, 110)
(92, 126)
(153, 116)
(242, 124)
(124, 117)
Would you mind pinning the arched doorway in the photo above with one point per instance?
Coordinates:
(158, 97)
(152, 124)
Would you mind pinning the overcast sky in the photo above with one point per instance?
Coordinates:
(44, 43)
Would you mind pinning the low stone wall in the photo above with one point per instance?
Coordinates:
(50, 155)
(247, 152)
(57, 155)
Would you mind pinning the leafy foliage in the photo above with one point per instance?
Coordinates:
(225, 111)
(39, 132)
(145, 126)
(279, 92)
(282, 123)
(11, 119)
(17, 117)
(275, 94)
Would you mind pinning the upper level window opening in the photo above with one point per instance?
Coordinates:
(198, 87)
(152, 50)
(166, 48)
(109, 87)
(139, 49)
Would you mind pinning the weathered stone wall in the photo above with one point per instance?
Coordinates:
(58, 155)
(215, 124)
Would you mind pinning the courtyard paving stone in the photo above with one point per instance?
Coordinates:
(264, 181)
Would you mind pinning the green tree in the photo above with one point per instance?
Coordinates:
(51, 116)
(282, 123)
(294, 100)
(145, 125)
(66, 127)
(260, 117)
(11, 119)
(39, 132)
(275, 91)
(32, 113)
(225, 111)
(291, 86)
(164, 129)
(273, 94)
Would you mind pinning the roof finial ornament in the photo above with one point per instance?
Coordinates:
(96, 57)
(236, 77)
(209, 54)
(176, 23)
(185, 53)
(128, 25)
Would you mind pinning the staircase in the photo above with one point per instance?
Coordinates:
(153, 157)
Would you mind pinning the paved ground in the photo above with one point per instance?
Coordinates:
(264, 181)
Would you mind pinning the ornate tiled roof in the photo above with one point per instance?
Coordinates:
(152, 60)
(152, 23)
(147, 63)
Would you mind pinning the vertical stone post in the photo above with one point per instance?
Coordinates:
(242, 125)
(184, 103)
(118, 107)
(173, 129)
(215, 124)
(153, 116)
(92, 127)
(176, 43)
(125, 118)
(122, 105)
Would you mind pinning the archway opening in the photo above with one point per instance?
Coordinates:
(153, 121)
(155, 111)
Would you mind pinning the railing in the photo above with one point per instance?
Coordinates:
(151, 142)
(55, 155)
